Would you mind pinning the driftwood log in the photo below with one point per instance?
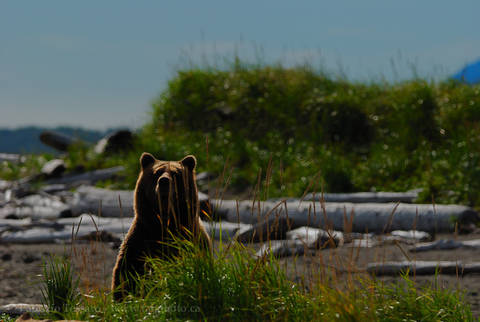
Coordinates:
(58, 141)
(371, 217)
(423, 268)
(35, 207)
(283, 248)
(64, 229)
(27, 231)
(413, 235)
(274, 228)
(103, 202)
(118, 141)
(53, 168)
(34, 212)
(378, 218)
(365, 197)
(316, 238)
(393, 238)
(14, 158)
(110, 203)
(225, 231)
(446, 244)
(301, 241)
(87, 178)
(26, 186)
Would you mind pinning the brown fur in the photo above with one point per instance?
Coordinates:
(166, 205)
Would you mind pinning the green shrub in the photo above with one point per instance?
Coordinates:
(357, 137)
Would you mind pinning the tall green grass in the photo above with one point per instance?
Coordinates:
(59, 287)
(233, 285)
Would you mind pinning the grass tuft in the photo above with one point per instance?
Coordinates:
(59, 288)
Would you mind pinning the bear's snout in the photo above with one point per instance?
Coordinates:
(164, 180)
(163, 185)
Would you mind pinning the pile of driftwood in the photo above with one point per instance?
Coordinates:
(67, 207)
(284, 228)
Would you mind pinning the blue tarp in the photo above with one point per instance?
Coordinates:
(470, 74)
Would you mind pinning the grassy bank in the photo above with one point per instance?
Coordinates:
(233, 285)
(309, 130)
(301, 125)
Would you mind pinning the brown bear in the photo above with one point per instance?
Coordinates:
(166, 206)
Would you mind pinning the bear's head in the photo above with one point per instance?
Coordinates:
(167, 190)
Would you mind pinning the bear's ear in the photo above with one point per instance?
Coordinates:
(146, 159)
(189, 161)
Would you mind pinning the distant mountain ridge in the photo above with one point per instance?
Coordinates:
(26, 139)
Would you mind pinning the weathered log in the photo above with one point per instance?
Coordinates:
(365, 197)
(413, 235)
(14, 224)
(82, 228)
(357, 240)
(446, 244)
(117, 141)
(53, 168)
(316, 238)
(39, 235)
(113, 225)
(54, 188)
(36, 207)
(423, 268)
(395, 237)
(107, 203)
(14, 158)
(371, 217)
(87, 178)
(87, 226)
(366, 242)
(88, 199)
(283, 248)
(35, 212)
(26, 186)
(224, 230)
(40, 201)
(301, 241)
(18, 191)
(57, 140)
(274, 228)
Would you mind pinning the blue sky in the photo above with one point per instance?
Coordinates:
(98, 64)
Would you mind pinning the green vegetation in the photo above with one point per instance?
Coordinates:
(233, 285)
(302, 127)
(292, 130)
(29, 166)
(59, 287)
(7, 318)
(356, 137)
